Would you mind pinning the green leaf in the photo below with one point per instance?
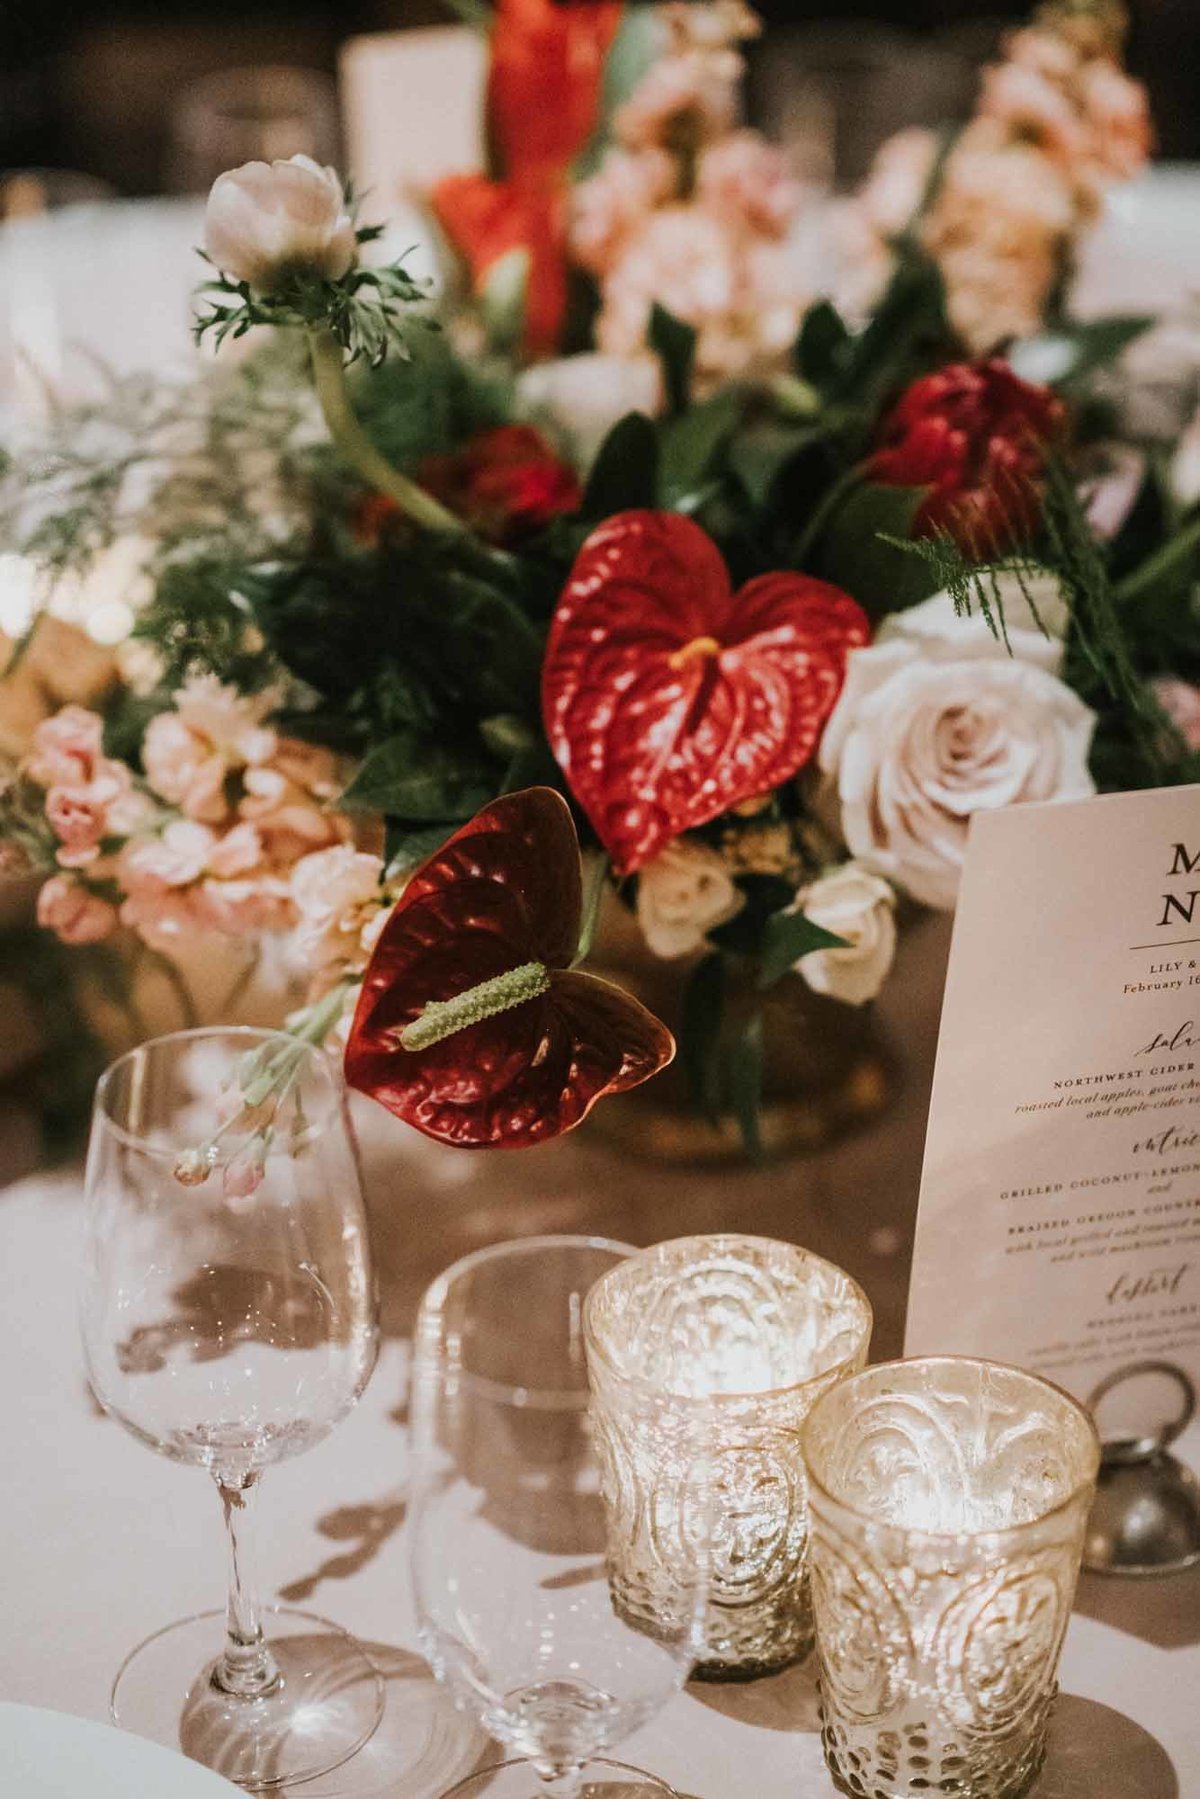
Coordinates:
(637, 45)
(625, 473)
(533, 766)
(692, 442)
(503, 300)
(909, 320)
(746, 1061)
(1064, 357)
(674, 343)
(855, 555)
(787, 937)
(700, 1034)
(408, 849)
(822, 346)
(409, 777)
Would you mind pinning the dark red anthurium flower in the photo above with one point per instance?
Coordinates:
(668, 697)
(472, 1025)
(505, 483)
(976, 435)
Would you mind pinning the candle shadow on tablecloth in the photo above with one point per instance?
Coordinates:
(1163, 1609)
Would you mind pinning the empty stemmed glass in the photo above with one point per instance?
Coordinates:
(511, 1498)
(229, 1322)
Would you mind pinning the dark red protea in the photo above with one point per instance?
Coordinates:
(472, 1024)
(505, 483)
(977, 436)
(667, 697)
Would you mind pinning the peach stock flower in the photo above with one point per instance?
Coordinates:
(189, 753)
(339, 896)
(65, 749)
(74, 913)
(289, 800)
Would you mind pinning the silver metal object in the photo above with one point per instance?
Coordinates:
(1146, 1516)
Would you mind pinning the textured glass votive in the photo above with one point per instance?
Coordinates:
(948, 1501)
(750, 1332)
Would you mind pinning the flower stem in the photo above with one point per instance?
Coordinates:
(329, 380)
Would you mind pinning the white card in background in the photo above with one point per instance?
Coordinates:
(1059, 1220)
(412, 104)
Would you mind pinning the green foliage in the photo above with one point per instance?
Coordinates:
(626, 470)
(417, 780)
(1077, 349)
(674, 343)
(861, 548)
(746, 1068)
(691, 445)
(700, 1035)
(369, 310)
(787, 937)
(433, 402)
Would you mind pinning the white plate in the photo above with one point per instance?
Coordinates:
(48, 1755)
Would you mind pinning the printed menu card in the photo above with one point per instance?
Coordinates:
(1059, 1221)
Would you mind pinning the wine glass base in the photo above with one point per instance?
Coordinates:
(601, 1780)
(326, 1706)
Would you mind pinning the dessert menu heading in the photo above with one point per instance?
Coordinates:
(1059, 1221)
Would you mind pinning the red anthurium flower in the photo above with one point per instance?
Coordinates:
(543, 101)
(976, 435)
(472, 1026)
(506, 483)
(667, 697)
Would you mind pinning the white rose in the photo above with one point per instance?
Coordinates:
(266, 219)
(682, 894)
(855, 904)
(939, 631)
(581, 398)
(916, 745)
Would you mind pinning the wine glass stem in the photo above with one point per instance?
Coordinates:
(246, 1666)
(567, 1785)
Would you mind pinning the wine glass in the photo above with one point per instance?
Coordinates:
(511, 1496)
(228, 1320)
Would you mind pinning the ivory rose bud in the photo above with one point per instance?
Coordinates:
(855, 904)
(267, 221)
(73, 912)
(683, 894)
(916, 745)
(65, 748)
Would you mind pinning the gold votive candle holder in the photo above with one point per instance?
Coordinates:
(746, 1333)
(948, 1500)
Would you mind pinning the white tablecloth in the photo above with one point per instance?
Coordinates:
(102, 1542)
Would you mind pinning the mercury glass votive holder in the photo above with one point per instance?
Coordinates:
(948, 1501)
(749, 1332)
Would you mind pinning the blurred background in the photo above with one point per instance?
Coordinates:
(137, 97)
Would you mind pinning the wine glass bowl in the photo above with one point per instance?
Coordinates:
(509, 1519)
(228, 1321)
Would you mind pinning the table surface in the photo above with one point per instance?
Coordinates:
(102, 1542)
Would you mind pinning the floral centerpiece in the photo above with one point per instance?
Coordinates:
(847, 571)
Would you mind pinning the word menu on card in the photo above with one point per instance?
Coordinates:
(1059, 1221)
